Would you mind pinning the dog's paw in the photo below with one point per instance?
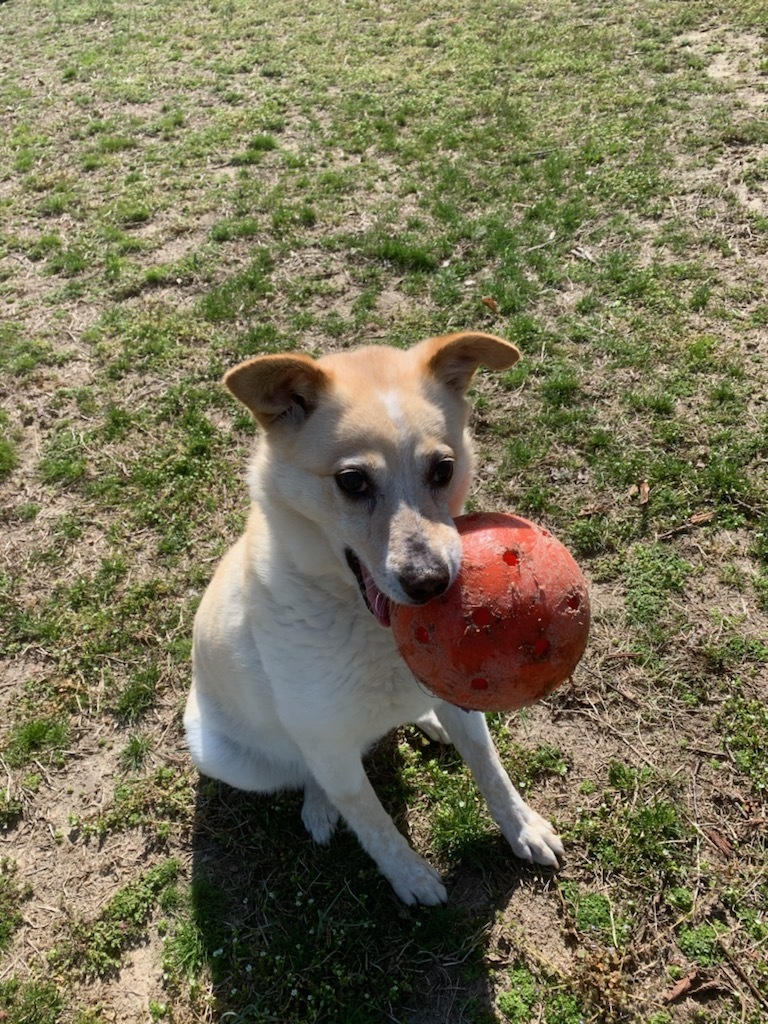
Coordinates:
(535, 839)
(319, 815)
(416, 881)
(431, 726)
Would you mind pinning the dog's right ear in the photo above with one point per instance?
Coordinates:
(278, 387)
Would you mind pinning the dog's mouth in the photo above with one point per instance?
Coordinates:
(377, 602)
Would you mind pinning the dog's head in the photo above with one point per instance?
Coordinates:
(371, 447)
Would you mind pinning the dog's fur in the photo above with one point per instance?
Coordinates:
(363, 463)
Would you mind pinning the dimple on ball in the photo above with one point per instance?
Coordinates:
(512, 627)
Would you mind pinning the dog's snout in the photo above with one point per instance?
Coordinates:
(422, 587)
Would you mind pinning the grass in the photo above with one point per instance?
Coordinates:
(8, 456)
(35, 737)
(96, 947)
(32, 1003)
(521, 1002)
(184, 188)
(745, 725)
(11, 900)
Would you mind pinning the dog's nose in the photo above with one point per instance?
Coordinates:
(426, 585)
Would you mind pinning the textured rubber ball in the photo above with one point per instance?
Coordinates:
(511, 628)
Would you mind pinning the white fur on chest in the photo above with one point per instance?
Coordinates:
(329, 664)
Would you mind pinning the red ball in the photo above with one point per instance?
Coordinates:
(511, 628)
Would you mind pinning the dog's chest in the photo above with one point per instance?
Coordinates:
(380, 693)
(342, 666)
(384, 679)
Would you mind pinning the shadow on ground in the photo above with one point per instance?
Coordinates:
(293, 932)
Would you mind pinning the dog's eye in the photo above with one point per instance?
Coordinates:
(442, 472)
(353, 482)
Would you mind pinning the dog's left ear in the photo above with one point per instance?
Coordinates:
(454, 358)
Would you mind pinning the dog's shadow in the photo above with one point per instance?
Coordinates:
(295, 932)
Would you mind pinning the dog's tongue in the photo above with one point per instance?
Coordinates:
(377, 601)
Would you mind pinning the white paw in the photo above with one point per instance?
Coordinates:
(534, 839)
(319, 815)
(416, 881)
(430, 724)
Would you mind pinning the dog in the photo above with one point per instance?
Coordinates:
(363, 463)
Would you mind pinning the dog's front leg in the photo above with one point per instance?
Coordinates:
(530, 836)
(343, 779)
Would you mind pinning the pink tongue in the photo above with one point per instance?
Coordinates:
(378, 602)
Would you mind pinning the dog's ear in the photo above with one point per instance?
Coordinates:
(453, 358)
(278, 387)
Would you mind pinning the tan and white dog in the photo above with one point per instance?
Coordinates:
(364, 461)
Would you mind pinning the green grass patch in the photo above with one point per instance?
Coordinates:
(8, 456)
(519, 1002)
(635, 831)
(595, 917)
(21, 356)
(64, 461)
(239, 296)
(31, 1002)
(653, 576)
(96, 947)
(12, 896)
(36, 737)
(144, 341)
(11, 809)
(530, 999)
(138, 694)
(255, 150)
(700, 943)
(135, 752)
(744, 723)
(233, 228)
(154, 803)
